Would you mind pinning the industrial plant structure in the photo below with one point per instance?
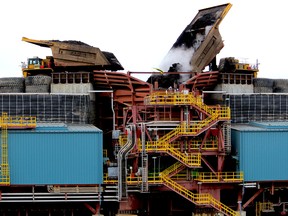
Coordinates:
(79, 137)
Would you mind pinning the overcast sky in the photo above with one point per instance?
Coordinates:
(140, 33)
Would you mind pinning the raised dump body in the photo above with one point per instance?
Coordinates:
(201, 39)
(73, 56)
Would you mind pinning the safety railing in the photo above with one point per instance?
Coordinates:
(174, 167)
(220, 177)
(19, 122)
(189, 159)
(264, 206)
(210, 144)
(198, 199)
(194, 128)
(122, 140)
(194, 144)
(153, 178)
(180, 177)
(180, 98)
(4, 172)
(176, 98)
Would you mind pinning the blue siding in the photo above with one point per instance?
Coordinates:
(46, 156)
(262, 154)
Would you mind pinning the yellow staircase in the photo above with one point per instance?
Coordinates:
(197, 199)
(214, 115)
(194, 129)
(172, 170)
(179, 98)
(197, 127)
(189, 159)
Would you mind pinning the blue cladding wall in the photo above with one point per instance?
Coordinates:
(262, 152)
(56, 155)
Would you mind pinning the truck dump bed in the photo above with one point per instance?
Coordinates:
(78, 54)
(202, 35)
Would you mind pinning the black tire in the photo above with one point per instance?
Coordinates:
(11, 81)
(280, 86)
(263, 82)
(11, 89)
(38, 80)
(281, 82)
(263, 89)
(37, 89)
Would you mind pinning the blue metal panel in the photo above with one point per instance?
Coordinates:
(262, 153)
(51, 155)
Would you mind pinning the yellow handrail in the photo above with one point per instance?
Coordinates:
(171, 169)
(198, 199)
(263, 206)
(178, 98)
(5, 173)
(220, 176)
(189, 159)
(19, 121)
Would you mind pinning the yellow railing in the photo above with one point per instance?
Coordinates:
(210, 144)
(185, 129)
(194, 144)
(179, 98)
(180, 177)
(176, 98)
(122, 140)
(163, 178)
(198, 199)
(134, 180)
(195, 127)
(5, 173)
(105, 153)
(19, 122)
(263, 206)
(171, 169)
(108, 180)
(220, 177)
(189, 159)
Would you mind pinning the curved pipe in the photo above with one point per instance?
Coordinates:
(122, 161)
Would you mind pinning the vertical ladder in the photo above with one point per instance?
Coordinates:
(226, 129)
(144, 185)
(5, 173)
(144, 171)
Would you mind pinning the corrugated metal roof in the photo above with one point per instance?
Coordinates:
(61, 127)
(83, 128)
(271, 125)
(261, 126)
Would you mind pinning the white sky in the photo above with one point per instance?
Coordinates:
(140, 33)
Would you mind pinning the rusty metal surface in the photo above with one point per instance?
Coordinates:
(206, 80)
(127, 89)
